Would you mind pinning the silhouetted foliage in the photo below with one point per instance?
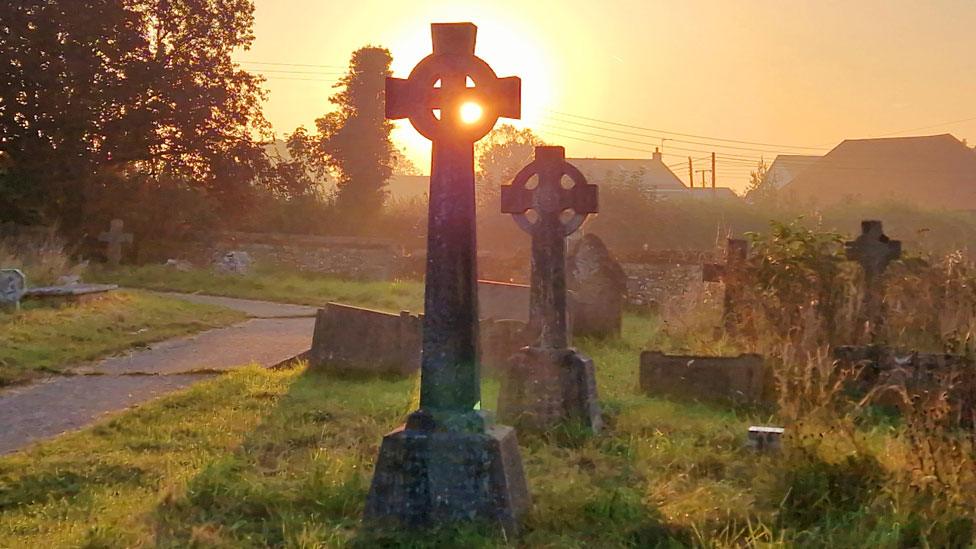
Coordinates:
(124, 87)
(354, 140)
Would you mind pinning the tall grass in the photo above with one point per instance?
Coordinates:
(42, 256)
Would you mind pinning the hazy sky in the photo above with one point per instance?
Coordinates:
(787, 73)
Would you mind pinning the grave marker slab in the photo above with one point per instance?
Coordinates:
(874, 251)
(13, 284)
(114, 239)
(548, 382)
(740, 379)
(731, 276)
(600, 285)
(447, 463)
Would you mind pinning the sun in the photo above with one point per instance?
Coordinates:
(471, 112)
(509, 46)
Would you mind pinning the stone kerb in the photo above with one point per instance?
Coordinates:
(356, 339)
(739, 380)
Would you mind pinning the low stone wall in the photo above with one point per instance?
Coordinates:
(503, 301)
(656, 276)
(363, 340)
(347, 257)
(740, 379)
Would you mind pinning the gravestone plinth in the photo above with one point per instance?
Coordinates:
(600, 285)
(448, 463)
(542, 388)
(549, 382)
(425, 477)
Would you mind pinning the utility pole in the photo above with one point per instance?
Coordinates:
(691, 174)
(703, 172)
(713, 171)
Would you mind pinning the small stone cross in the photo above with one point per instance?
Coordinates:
(730, 274)
(549, 199)
(874, 251)
(114, 238)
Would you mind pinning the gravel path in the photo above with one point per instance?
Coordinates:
(274, 334)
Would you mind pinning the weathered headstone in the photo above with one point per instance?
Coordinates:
(600, 285)
(341, 334)
(739, 379)
(234, 262)
(13, 284)
(762, 438)
(114, 238)
(874, 251)
(549, 382)
(730, 274)
(448, 463)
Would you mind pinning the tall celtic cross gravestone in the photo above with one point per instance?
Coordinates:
(730, 275)
(448, 462)
(549, 382)
(874, 251)
(114, 238)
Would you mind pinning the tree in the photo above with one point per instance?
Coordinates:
(354, 140)
(762, 184)
(94, 90)
(501, 154)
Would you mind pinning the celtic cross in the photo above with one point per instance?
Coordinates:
(432, 98)
(874, 251)
(549, 198)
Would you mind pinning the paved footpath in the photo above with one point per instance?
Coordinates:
(273, 333)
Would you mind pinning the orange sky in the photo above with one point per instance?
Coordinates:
(787, 73)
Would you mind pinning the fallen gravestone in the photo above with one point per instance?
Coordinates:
(600, 285)
(740, 379)
(69, 294)
(13, 283)
(114, 238)
(363, 340)
(448, 462)
(549, 382)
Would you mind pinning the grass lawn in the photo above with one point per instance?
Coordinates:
(40, 341)
(271, 285)
(262, 458)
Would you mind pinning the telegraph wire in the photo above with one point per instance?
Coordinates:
(685, 134)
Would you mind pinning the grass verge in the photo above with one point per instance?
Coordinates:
(40, 341)
(262, 458)
(270, 285)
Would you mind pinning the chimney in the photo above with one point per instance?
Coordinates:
(657, 154)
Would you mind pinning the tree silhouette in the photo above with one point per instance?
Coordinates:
(94, 90)
(355, 140)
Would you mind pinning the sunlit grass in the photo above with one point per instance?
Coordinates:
(42, 340)
(272, 285)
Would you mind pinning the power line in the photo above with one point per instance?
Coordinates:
(930, 127)
(752, 149)
(292, 64)
(685, 134)
(276, 71)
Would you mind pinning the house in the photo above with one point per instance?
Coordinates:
(786, 167)
(651, 173)
(935, 171)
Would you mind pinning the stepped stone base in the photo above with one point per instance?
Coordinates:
(545, 387)
(426, 477)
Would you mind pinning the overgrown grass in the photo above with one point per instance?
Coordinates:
(262, 458)
(38, 341)
(271, 285)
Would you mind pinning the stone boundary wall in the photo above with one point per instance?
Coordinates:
(349, 257)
